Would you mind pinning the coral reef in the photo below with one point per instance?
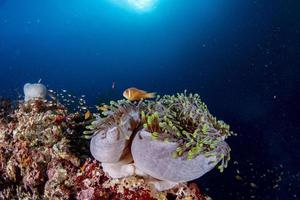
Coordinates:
(41, 155)
(34, 152)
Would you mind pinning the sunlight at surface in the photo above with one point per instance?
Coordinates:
(137, 5)
(142, 4)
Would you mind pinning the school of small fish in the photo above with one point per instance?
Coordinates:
(79, 104)
(71, 101)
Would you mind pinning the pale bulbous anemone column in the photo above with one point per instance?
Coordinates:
(112, 135)
(109, 148)
(155, 158)
(35, 90)
(181, 140)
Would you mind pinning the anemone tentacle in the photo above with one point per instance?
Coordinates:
(185, 119)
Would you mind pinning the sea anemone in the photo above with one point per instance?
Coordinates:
(113, 131)
(179, 130)
(186, 119)
(36, 90)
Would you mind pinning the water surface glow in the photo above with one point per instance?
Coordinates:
(142, 4)
(137, 5)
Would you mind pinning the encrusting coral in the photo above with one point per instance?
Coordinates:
(34, 152)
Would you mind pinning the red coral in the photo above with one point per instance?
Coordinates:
(59, 119)
(90, 185)
(34, 177)
(140, 194)
(196, 191)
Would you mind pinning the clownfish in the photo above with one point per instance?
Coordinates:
(134, 94)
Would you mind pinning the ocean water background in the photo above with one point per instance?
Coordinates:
(242, 57)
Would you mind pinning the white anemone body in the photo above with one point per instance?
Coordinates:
(154, 157)
(35, 90)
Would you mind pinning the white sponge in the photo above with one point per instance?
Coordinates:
(35, 90)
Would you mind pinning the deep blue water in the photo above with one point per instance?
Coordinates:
(242, 57)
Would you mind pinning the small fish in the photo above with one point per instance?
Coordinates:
(103, 108)
(52, 96)
(87, 115)
(113, 85)
(238, 178)
(253, 185)
(64, 90)
(51, 91)
(134, 94)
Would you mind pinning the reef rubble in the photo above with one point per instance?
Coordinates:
(43, 156)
